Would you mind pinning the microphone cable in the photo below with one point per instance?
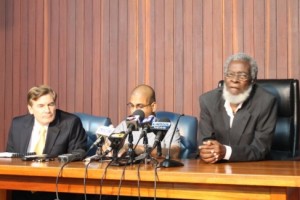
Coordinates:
(167, 162)
(85, 176)
(103, 176)
(120, 182)
(87, 166)
(175, 128)
(57, 179)
(156, 166)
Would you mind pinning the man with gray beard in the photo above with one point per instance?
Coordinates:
(237, 121)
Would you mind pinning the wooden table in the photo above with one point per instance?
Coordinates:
(195, 180)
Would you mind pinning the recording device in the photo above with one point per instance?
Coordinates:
(168, 162)
(38, 158)
(70, 157)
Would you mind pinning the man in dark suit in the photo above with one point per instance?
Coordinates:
(237, 121)
(61, 133)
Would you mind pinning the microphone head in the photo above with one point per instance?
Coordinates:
(147, 122)
(133, 121)
(139, 114)
(105, 131)
(163, 124)
(117, 140)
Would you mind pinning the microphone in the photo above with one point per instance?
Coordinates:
(102, 132)
(147, 122)
(70, 157)
(168, 162)
(133, 121)
(117, 141)
(160, 128)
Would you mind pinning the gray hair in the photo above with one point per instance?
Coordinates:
(244, 58)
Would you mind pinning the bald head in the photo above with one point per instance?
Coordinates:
(143, 98)
(144, 91)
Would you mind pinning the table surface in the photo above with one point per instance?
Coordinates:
(194, 178)
(270, 173)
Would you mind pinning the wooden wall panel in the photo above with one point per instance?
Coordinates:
(2, 71)
(71, 55)
(94, 52)
(8, 66)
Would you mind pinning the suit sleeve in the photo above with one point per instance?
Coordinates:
(205, 122)
(78, 139)
(9, 144)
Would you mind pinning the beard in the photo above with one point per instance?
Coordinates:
(236, 99)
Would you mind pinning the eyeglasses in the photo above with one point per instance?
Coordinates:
(138, 106)
(241, 76)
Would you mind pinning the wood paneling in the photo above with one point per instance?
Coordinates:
(94, 52)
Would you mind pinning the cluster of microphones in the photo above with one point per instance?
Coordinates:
(134, 122)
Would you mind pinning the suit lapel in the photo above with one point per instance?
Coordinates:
(26, 134)
(239, 124)
(52, 134)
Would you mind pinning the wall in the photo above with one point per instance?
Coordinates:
(93, 52)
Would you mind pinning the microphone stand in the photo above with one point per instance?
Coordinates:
(130, 153)
(146, 155)
(167, 162)
(159, 153)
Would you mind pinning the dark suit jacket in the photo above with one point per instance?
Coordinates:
(250, 136)
(65, 134)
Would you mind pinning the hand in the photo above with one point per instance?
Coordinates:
(211, 151)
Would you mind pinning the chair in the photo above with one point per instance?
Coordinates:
(91, 123)
(188, 126)
(285, 144)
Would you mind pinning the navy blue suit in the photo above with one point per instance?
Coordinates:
(65, 134)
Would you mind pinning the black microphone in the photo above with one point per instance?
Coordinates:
(133, 121)
(160, 129)
(168, 162)
(70, 157)
(117, 141)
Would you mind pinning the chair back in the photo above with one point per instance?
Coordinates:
(188, 126)
(285, 142)
(90, 124)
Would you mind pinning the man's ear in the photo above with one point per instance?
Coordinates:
(154, 107)
(30, 109)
